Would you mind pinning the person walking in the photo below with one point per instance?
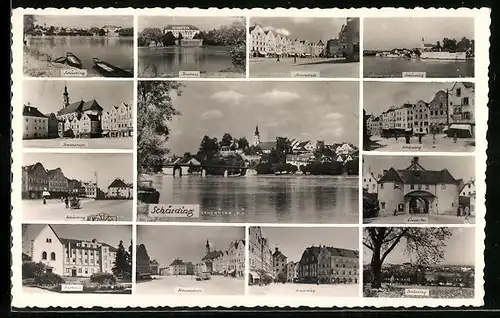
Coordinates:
(295, 59)
(455, 138)
(420, 139)
(278, 59)
(44, 200)
(66, 202)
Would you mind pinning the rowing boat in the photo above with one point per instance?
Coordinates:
(61, 60)
(109, 70)
(73, 60)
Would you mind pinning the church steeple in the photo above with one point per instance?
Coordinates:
(256, 137)
(207, 247)
(65, 96)
(257, 130)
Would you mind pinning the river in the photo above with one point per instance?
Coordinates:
(118, 51)
(168, 61)
(276, 199)
(394, 67)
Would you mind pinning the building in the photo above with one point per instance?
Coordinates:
(200, 267)
(299, 146)
(186, 31)
(118, 122)
(461, 108)
(333, 49)
(370, 183)
(256, 137)
(35, 180)
(36, 124)
(58, 183)
(468, 195)
(374, 128)
(308, 265)
(257, 41)
(231, 261)
(143, 262)
(260, 255)
(74, 187)
(421, 118)
(70, 257)
(352, 39)
(290, 272)
(112, 30)
(338, 265)
(189, 268)
(210, 257)
(404, 118)
(299, 160)
(55, 126)
(438, 112)
(279, 263)
(154, 267)
(90, 189)
(177, 267)
(417, 190)
(118, 189)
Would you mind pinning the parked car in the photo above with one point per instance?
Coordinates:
(203, 276)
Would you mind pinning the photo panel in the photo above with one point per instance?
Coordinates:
(192, 46)
(419, 262)
(419, 190)
(303, 261)
(77, 187)
(76, 259)
(304, 47)
(248, 151)
(78, 45)
(198, 260)
(422, 47)
(78, 114)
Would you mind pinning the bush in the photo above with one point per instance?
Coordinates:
(263, 168)
(281, 278)
(32, 269)
(266, 279)
(49, 279)
(103, 278)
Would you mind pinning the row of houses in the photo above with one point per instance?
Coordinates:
(80, 119)
(450, 109)
(107, 30)
(38, 181)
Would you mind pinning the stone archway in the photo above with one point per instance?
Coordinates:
(419, 202)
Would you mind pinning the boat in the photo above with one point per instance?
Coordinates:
(73, 60)
(146, 193)
(109, 70)
(61, 60)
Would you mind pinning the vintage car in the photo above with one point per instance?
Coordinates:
(203, 276)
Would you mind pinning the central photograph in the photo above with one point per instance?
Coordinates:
(248, 151)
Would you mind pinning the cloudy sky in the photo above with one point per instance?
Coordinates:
(47, 95)
(390, 33)
(81, 166)
(459, 250)
(309, 29)
(459, 167)
(84, 21)
(185, 242)
(110, 234)
(202, 23)
(380, 96)
(302, 110)
(293, 241)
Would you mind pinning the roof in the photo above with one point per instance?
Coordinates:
(468, 84)
(118, 183)
(177, 262)
(267, 145)
(278, 253)
(53, 171)
(26, 257)
(211, 255)
(30, 168)
(74, 244)
(343, 252)
(141, 251)
(418, 176)
(93, 117)
(252, 28)
(302, 144)
(181, 27)
(80, 106)
(31, 111)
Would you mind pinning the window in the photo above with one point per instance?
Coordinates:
(48, 240)
(465, 101)
(427, 187)
(459, 92)
(44, 255)
(412, 186)
(52, 256)
(443, 186)
(80, 270)
(382, 205)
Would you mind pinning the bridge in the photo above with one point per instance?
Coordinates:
(180, 170)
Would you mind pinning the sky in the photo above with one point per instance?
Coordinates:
(85, 21)
(309, 29)
(202, 23)
(303, 110)
(293, 241)
(47, 95)
(380, 96)
(166, 243)
(459, 250)
(81, 166)
(459, 167)
(110, 234)
(390, 33)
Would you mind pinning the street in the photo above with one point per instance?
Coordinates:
(36, 290)
(55, 210)
(91, 143)
(443, 144)
(217, 285)
(269, 67)
(291, 289)
(414, 219)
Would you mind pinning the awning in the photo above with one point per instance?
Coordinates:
(445, 129)
(408, 129)
(255, 275)
(460, 127)
(45, 194)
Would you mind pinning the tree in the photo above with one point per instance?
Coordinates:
(29, 23)
(425, 243)
(366, 137)
(129, 260)
(126, 32)
(226, 140)
(209, 147)
(180, 37)
(154, 110)
(150, 34)
(168, 39)
(102, 32)
(438, 46)
(464, 44)
(242, 143)
(120, 266)
(234, 36)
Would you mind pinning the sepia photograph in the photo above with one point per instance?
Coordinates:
(248, 151)
(434, 190)
(198, 260)
(304, 47)
(421, 47)
(419, 262)
(302, 261)
(192, 46)
(78, 46)
(77, 187)
(76, 259)
(419, 117)
(77, 114)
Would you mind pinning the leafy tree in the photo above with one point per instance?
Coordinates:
(154, 110)
(126, 32)
(226, 140)
(234, 35)
(29, 23)
(32, 269)
(94, 30)
(283, 148)
(187, 155)
(242, 143)
(366, 137)
(129, 259)
(438, 46)
(425, 243)
(180, 37)
(102, 32)
(168, 39)
(150, 34)
(120, 266)
(209, 147)
(464, 44)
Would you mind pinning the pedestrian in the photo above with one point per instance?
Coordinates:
(395, 212)
(278, 59)
(455, 138)
(66, 202)
(44, 201)
(294, 59)
(419, 139)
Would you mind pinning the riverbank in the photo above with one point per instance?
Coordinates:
(225, 73)
(38, 64)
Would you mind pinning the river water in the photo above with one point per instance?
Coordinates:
(168, 61)
(118, 51)
(394, 67)
(287, 199)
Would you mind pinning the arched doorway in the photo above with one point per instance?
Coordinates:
(419, 202)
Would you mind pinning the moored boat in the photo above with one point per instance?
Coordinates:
(61, 60)
(146, 193)
(73, 60)
(108, 70)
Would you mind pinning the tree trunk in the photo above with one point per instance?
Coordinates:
(376, 267)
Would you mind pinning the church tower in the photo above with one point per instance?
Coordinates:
(207, 247)
(256, 137)
(65, 97)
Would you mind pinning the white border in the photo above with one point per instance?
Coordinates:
(482, 25)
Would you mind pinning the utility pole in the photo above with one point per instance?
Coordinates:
(96, 187)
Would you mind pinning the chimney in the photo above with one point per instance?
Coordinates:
(276, 249)
(384, 172)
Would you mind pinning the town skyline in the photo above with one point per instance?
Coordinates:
(110, 234)
(293, 241)
(185, 242)
(84, 21)
(47, 96)
(379, 32)
(459, 250)
(302, 28)
(81, 166)
(277, 108)
(203, 23)
(380, 96)
(459, 167)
